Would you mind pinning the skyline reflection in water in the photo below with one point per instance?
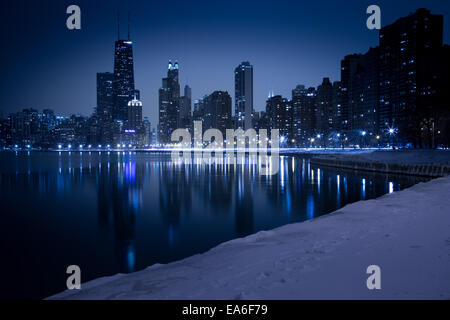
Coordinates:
(119, 212)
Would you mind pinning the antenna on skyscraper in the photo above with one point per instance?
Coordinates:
(118, 25)
(129, 26)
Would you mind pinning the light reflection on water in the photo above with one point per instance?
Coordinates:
(120, 212)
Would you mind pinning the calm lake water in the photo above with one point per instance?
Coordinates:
(121, 212)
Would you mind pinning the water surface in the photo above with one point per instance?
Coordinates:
(121, 212)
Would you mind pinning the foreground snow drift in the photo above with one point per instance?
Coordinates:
(406, 233)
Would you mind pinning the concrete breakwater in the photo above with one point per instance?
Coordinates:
(426, 170)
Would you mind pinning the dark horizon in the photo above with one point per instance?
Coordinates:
(288, 43)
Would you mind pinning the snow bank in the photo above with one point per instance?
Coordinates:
(406, 233)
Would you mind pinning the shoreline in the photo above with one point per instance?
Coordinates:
(420, 170)
(408, 162)
(406, 233)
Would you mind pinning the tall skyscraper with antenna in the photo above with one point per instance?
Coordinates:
(123, 84)
(169, 104)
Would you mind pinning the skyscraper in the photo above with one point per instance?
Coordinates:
(169, 101)
(218, 111)
(135, 114)
(134, 130)
(243, 84)
(185, 114)
(279, 116)
(298, 101)
(324, 118)
(308, 117)
(410, 73)
(348, 68)
(105, 105)
(123, 84)
(148, 131)
(337, 107)
(198, 114)
(364, 94)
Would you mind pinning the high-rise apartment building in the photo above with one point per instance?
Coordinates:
(243, 84)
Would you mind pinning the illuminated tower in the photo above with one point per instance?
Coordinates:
(135, 114)
(169, 104)
(123, 84)
(105, 105)
(243, 84)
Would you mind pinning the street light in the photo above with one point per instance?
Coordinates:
(392, 132)
(363, 134)
(378, 140)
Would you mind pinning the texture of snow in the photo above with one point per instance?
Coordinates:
(406, 233)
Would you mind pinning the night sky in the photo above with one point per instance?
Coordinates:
(45, 65)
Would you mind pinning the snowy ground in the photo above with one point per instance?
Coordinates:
(406, 233)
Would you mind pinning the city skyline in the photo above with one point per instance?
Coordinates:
(201, 151)
(396, 89)
(203, 76)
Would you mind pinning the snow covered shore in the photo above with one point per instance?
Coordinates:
(406, 233)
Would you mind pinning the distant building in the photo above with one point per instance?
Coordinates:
(360, 96)
(134, 132)
(410, 74)
(260, 121)
(364, 95)
(348, 69)
(134, 114)
(147, 131)
(336, 106)
(185, 114)
(199, 109)
(243, 84)
(304, 112)
(441, 134)
(298, 101)
(324, 110)
(123, 84)
(169, 101)
(218, 114)
(279, 116)
(105, 105)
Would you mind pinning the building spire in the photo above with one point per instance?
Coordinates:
(129, 26)
(118, 25)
